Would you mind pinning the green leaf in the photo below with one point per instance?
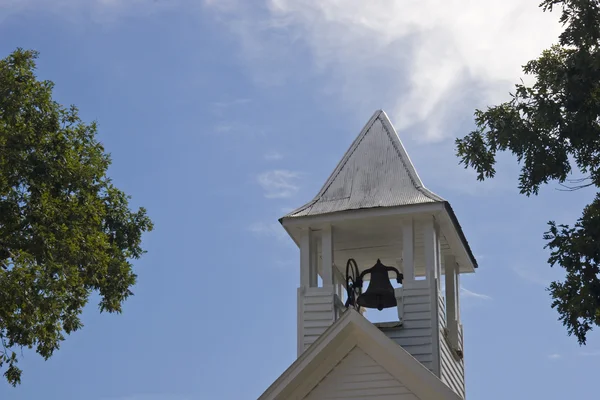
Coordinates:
(553, 130)
(65, 230)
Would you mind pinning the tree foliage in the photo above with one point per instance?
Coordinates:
(553, 129)
(65, 230)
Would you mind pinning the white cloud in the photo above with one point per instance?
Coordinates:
(273, 156)
(465, 293)
(279, 183)
(554, 356)
(532, 276)
(422, 60)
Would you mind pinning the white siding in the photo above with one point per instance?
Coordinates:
(317, 313)
(419, 338)
(416, 333)
(452, 370)
(359, 377)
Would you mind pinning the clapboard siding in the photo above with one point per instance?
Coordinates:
(358, 376)
(415, 333)
(317, 313)
(452, 371)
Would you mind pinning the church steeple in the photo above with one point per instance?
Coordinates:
(374, 208)
(376, 177)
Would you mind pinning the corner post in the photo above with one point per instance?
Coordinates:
(451, 299)
(431, 248)
(327, 255)
(307, 259)
(408, 250)
(308, 278)
(433, 271)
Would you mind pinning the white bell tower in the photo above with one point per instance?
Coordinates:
(375, 207)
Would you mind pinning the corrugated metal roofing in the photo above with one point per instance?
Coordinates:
(375, 172)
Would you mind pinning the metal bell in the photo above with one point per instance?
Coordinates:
(380, 293)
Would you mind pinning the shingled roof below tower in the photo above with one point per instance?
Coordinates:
(375, 172)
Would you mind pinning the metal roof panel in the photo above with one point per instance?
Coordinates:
(375, 172)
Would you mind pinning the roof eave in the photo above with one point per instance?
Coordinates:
(359, 213)
(461, 234)
(314, 221)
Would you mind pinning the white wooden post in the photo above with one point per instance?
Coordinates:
(408, 250)
(430, 246)
(451, 298)
(308, 265)
(457, 286)
(438, 254)
(432, 268)
(327, 255)
(314, 261)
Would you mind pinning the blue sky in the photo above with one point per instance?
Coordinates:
(222, 115)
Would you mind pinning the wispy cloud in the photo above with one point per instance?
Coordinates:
(286, 210)
(570, 355)
(590, 353)
(273, 156)
(234, 128)
(279, 183)
(465, 293)
(538, 274)
(270, 230)
(440, 55)
(532, 276)
(444, 173)
(231, 103)
(224, 128)
(221, 108)
(444, 57)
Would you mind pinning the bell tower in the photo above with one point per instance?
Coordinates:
(373, 223)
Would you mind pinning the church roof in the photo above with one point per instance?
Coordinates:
(350, 333)
(376, 171)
